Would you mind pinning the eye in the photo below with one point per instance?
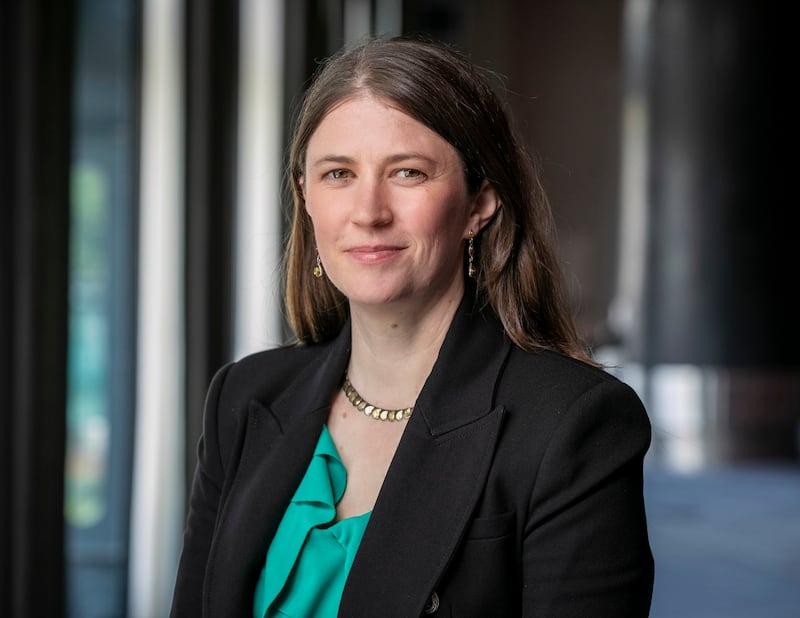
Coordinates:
(410, 173)
(338, 174)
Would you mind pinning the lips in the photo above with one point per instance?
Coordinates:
(370, 254)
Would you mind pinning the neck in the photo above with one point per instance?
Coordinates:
(393, 351)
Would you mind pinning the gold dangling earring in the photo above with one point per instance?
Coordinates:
(317, 272)
(471, 270)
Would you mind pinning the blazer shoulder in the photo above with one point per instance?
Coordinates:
(547, 380)
(552, 368)
(263, 375)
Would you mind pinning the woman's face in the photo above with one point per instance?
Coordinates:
(389, 204)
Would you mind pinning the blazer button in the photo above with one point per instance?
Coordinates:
(433, 604)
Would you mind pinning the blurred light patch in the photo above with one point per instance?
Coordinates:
(88, 423)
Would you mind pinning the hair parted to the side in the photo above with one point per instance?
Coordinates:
(519, 277)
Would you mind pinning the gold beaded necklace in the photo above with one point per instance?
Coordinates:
(373, 411)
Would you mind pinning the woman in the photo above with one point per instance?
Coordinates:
(438, 441)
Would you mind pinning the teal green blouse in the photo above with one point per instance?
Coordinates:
(310, 557)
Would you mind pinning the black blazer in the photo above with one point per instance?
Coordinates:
(516, 489)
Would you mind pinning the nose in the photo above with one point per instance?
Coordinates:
(371, 203)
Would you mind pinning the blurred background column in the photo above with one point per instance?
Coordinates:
(158, 486)
(36, 51)
(209, 142)
(708, 269)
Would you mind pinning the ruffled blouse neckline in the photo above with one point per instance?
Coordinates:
(311, 554)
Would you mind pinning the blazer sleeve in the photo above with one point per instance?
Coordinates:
(585, 546)
(204, 501)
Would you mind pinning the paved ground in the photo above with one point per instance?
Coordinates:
(726, 542)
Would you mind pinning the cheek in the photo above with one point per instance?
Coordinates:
(319, 211)
(448, 218)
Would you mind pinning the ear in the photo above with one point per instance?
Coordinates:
(484, 205)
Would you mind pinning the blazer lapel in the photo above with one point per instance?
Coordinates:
(279, 441)
(437, 475)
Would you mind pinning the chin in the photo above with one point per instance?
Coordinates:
(374, 291)
(376, 296)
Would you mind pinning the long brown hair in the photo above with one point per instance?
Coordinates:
(519, 276)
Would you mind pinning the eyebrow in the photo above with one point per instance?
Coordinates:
(395, 158)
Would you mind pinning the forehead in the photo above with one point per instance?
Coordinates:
(374, 123)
